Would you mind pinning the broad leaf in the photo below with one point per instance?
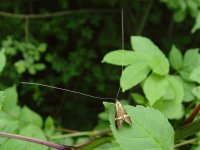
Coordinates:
(134, 74)
(139, 99)
(123, 57)
(158, 62)
(2, 60)
(155, 87)
(175, 58)
(170, 109)
(150, 130)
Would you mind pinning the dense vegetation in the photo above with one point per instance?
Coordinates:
(77, 45)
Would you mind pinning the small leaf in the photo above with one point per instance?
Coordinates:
(2, 60)
(39, 66)
(150, 129)
(49, 126)
(139, 99)
(191, 58)
(10, 99)
(159, 65)
(175, 90)
(123, 57)
(195, 75)
(196, 91)
(170, 109)
(187, 86)
(158, 62)
(190, 62)
(30, 117)
(42, 47)
(155, 87)
(197, 24)
(144, 45)
(175, 58)
(134, 74)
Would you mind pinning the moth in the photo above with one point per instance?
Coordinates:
(121, 115)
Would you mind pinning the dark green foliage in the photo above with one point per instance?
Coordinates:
(66, 50)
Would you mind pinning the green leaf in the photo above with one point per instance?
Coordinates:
(7, 125)
(175, 58)
(10, 99)
(49, 127)
(2, 60)
(155, 87)
(187, 86)
(134, 74)
(175, 90)
(39, 66)
(159, 65)
(150, 129)
(29, 117)
(197, 24)
(139, 99)
(30, 131)
(145, 46)
(42, 47)
(2, 97)
(123, 57)
(195, 75)
(170, 109)
(190, 62)
(196, 91)
(158, 62)
(191, 58)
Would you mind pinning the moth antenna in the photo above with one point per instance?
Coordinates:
(122, 42)
(67, 90)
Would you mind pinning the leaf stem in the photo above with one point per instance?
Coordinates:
(86, 133)
(37, 141)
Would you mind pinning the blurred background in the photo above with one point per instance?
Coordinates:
(62, 43)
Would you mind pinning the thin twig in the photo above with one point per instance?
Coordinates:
(185, 143)
(144, 19)
(86, 133)
(37, 141)
(55, 14)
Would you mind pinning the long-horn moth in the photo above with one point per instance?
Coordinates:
(121, 115)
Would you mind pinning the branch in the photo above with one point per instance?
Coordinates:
(37, 141)
(96, 133)
(56, 14)
(144, 19)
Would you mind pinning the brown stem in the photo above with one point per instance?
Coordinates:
(55, 14)
(192, 116)
(37, 141)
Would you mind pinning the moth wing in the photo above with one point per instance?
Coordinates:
(128, 120)
(118, 123)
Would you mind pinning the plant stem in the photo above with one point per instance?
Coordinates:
(185, 143)
(187, 130)
(37, 141)
(87, 133)
(55, 14)
(145, 17)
